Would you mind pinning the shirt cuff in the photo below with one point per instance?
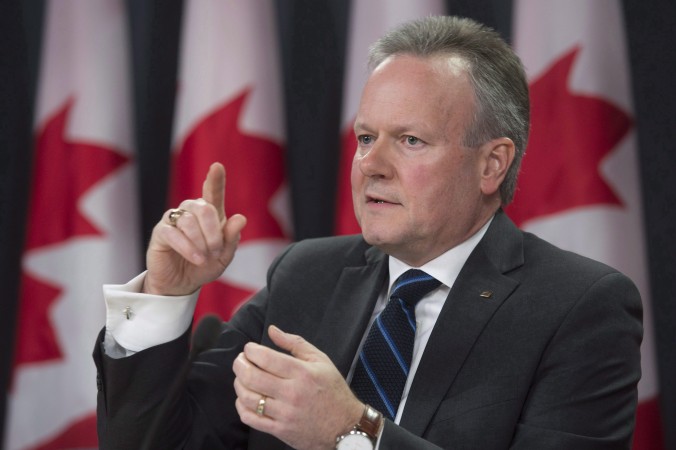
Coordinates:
(136, 321)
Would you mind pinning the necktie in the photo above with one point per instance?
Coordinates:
(385, 359)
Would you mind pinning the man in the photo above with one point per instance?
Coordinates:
(517, 344)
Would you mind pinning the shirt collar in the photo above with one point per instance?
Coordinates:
(445, 267)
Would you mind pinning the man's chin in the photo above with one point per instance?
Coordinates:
(378, 239)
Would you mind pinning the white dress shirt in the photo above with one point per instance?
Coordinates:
(444, 268)
(136, 321)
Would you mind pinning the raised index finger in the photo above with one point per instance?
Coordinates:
(213, 189)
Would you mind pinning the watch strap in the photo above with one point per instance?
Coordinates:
(371, 422)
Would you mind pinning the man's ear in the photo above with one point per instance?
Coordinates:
(497, 156)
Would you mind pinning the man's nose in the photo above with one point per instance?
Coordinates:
(377, 161)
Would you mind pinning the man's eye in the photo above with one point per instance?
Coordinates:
(365, 139)
(412, 140)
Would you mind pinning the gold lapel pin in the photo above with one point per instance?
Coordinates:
(486, 294)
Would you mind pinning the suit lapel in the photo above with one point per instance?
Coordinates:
(350, 308)
(462, 319)
(347, 314)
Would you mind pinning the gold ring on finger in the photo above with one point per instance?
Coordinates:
(260, 409)
(174, 215)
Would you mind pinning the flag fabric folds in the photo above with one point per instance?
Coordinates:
(579, 185)
(229, 109)
(82, 229)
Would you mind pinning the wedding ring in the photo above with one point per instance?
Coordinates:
(260, 409)
(174, 215)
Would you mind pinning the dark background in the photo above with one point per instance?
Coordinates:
(312, 41)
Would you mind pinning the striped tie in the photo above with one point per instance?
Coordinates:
(385, 359)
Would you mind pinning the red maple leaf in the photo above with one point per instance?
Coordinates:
(79, 434)
(255, 172)
(62, 172)
(571, 135)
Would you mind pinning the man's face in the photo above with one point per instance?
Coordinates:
(415, 186)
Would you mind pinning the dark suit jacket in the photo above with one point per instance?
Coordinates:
(549, 361)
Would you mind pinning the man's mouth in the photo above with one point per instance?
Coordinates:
(377, 201)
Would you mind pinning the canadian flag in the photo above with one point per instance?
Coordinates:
(82, 227)
(229, 109)
(579, 185)
(369, 19)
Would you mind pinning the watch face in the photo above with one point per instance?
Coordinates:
(356, 440)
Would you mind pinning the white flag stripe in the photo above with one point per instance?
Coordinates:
(540, 36)
(84, 58)
(242, 273)
(229, 45)
(544, 30)
(79, 31)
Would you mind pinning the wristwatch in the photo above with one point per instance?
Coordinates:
(364, 435)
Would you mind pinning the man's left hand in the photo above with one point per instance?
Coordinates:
(307, 402)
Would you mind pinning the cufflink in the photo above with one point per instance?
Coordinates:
(128, 313)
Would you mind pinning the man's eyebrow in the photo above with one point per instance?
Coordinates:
(398, 129)
(360, 125)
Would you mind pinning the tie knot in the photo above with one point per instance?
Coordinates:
(413, 285)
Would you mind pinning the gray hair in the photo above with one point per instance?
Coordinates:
(495, 72)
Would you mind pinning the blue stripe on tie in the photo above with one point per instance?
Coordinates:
(392, 345)
(376, 379)
(376, 384)
(412, 280)
(409, 316)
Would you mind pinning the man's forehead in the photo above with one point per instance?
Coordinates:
(443, 79)
(419, 94)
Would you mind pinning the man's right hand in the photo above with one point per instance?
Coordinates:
(182, 258)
